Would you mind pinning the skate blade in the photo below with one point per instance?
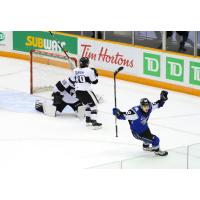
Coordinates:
(96, 127)
(149, 150)
(161, 154)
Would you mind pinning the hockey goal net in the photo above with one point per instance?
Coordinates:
(47, 68)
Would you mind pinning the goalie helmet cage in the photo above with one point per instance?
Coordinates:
(46, 68)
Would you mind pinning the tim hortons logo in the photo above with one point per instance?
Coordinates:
(103, 55)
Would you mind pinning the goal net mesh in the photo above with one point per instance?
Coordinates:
(47, 68)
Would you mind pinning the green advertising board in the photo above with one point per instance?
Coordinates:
(2, 36)
(195, 73)
(152, 64)
(175, 69)
(28, 40)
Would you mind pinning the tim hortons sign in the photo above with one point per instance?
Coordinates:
(104, 54)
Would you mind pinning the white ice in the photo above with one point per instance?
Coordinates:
(30, 140)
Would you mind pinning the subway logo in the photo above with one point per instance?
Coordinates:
(43, 43)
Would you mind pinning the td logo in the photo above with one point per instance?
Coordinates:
(195, 73)
(2, 36)
(152, 64)
(175, 69)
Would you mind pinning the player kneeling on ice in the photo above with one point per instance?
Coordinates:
(63, 95)
(138, 117)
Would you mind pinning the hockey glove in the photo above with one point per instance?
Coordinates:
(163, 95)
(87, 79)
(118, 113)
(95, 71)
(95, 82)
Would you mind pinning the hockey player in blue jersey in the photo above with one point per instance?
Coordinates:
(138, 117)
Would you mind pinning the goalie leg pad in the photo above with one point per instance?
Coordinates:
(39, 106)
(49, 109)
(81, 111)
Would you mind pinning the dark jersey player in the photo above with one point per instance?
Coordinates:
(138, 117)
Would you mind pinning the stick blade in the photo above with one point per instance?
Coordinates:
(118, 70)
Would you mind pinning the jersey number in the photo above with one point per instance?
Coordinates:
(80, 79)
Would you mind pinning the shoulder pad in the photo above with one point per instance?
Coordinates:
(135, 108)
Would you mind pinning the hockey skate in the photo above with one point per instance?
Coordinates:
(96, 125)
(146, 147)
(160, 153)
(89, 121)
(93, 123)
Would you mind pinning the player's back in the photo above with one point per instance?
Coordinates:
(83, 78)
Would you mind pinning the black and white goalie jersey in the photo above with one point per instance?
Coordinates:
(67, 90)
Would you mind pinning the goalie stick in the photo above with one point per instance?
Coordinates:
(64, 51)
(115, 97)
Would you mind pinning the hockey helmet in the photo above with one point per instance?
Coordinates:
(84, 62)
(144, 102)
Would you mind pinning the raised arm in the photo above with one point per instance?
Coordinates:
(161, 101)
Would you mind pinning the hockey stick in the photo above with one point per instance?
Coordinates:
(65, 52)
(115, 96)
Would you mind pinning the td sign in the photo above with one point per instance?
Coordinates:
(194, 73)
(174, 68)
(2, 36)
(152, 64)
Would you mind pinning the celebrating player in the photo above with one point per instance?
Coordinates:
(138, 117)
(84, 77)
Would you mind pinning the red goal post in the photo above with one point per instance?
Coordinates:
(48, 67)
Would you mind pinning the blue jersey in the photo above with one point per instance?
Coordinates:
(138, 119)
(139, 124)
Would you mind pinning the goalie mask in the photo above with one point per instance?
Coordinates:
(84, 62)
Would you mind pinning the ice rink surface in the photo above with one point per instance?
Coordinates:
(30, 140)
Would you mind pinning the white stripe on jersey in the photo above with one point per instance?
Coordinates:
(154, 106)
